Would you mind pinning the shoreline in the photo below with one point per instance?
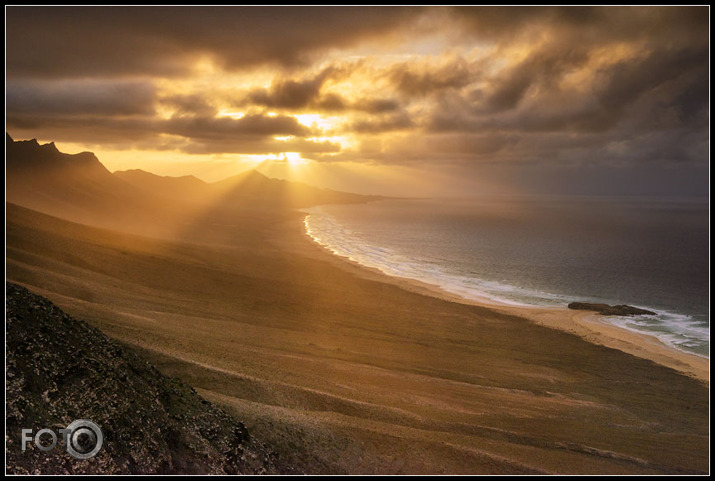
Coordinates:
(588, 325)
(347, 370)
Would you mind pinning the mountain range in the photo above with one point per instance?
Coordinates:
(80, 188)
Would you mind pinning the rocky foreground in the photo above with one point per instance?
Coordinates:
(60, 369)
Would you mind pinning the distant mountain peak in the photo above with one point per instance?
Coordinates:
(146, 174)
(29, 143)
(52, 147)
(143, 174)
(34, 168)
(32, 143)
(35, 159)
(253, 173)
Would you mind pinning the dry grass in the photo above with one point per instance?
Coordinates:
(345, 373)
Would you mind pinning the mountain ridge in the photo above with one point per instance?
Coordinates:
(79, 188)
(30, 153)
(43, 169)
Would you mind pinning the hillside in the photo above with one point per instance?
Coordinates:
(248, 189)
(79, 188)
(186, 186)
(279, 333)
(340, 369)
(60, 369)
(252, 186)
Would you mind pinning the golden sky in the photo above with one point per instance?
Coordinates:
(437, 100)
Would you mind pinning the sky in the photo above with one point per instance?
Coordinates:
(450, 101)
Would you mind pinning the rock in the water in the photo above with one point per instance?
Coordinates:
(606, 310)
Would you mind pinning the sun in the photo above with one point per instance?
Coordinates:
(294, 159)
(323, 122)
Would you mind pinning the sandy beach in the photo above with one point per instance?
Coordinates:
(349, 371)
(588, 325)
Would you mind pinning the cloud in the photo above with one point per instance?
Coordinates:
(289, 93)
(214, 128)
(306, 93)
(164, 41)
(456, 86)
(114, 132)
(542, 69)
(381, 124)
(250, 134)
(191, 104)
(376, 105)
(626, 81)
(592, 25)
(572, 102)
(80, 97)
(419, 79)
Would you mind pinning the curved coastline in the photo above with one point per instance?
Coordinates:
(588, 325)
(377, 376)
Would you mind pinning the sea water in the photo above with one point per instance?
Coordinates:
(648, 253)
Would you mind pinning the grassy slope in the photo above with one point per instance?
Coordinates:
(352, 375)
(60, 370)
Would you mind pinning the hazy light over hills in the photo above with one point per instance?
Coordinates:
(435, 100)
(163, 199)
(79, 188)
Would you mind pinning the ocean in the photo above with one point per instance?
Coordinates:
(542, 251)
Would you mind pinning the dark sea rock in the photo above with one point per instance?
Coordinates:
(606, 310)
(60, 369)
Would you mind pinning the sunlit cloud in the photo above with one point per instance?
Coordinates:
(232, 115)
(420, 87)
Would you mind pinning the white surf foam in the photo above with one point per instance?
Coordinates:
(677, 330)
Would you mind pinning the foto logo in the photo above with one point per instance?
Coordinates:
(82, 438)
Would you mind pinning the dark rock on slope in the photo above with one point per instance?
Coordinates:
(60, 369)
(606, 310)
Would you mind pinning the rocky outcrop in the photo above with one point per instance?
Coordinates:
(606, 310)
(60, 369)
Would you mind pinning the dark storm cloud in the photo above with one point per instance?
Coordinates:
(251, 134)
(501, 22)
(199, 127)
(591, 24)
(545, 86)
(671, 43)
(219, 128)
(307, 93)
(381, 123)
(334, 103)
(192, 104)
(637, 110)
(624, 82)
(419, 80)
(331, 102)
(291, 93)
(98, 111)
(542, 69)
(80, 97)
(377, 106)
(113, 41)
(117, 132)
(570, 113)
